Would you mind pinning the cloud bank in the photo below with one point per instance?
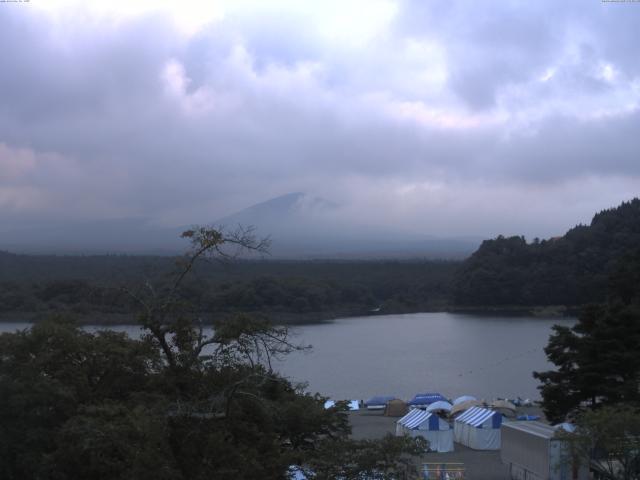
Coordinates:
(452, 118)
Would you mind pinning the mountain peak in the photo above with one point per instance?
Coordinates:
(284, 207)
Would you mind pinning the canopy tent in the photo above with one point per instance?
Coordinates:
(440, 405)
(464, 398)
(396, 408)
(428, 425)
(425, 399)
(478, 428)
(463, 406)
(379, 402)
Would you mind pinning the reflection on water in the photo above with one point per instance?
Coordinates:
(404, 354)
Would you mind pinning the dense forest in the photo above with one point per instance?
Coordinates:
(571, 270)
(98, 288)
(508, 273)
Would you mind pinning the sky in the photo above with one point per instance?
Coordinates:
(435, 117)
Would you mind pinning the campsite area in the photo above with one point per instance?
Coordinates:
(477, 464)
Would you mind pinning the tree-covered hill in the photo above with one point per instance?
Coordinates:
(91, 287)
(569, 270)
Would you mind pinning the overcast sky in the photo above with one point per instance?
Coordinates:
(443, 117)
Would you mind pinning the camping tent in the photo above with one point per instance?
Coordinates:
(464, 398)
(424, 399)
(440, 405)
(478, 428)
(378, 402)
(396, 408)
(505, 407)
(458, 408)
(428, 425)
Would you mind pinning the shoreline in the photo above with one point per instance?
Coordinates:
(306, 318)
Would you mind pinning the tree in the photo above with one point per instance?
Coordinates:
(175, 404)
(382, 459)
(608, 440)
(598, 362)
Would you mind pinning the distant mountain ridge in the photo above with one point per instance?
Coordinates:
(570, 270)
(300, 225)
(305, 226)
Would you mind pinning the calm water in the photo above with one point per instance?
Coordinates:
(402, 354)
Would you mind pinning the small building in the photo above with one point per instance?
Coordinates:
(478, 428)
(428, 425)
(534, 451)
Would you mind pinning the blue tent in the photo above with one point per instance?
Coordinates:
(425, 399)
(378, 402)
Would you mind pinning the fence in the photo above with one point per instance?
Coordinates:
(443, 471)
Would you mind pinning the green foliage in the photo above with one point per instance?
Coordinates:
(176, 404)
(387, 458)
(569, 270)
(608, 440)
(598, 361)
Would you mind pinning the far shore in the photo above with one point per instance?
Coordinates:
(306, 318)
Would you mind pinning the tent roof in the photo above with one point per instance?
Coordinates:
(476, 417)
(379, 400)
(466, 405)
(417, 417)
(538, 429)
(425, 398)
(566, 426)
(503, 404)
(439, 405)
(464, 398)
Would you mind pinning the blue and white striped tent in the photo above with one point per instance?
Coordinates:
(428, 425)
(478, 428)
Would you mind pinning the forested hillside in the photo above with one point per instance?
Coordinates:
(569, 270)
(94, 287)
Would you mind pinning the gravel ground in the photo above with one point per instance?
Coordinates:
(479, 465)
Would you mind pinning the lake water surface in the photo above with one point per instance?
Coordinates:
(400, 355)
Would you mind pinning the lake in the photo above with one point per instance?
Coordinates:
(453, 354)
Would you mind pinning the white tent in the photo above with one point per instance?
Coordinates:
(440, 405)
(464, 398)
(428, 425)
(478, 428)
